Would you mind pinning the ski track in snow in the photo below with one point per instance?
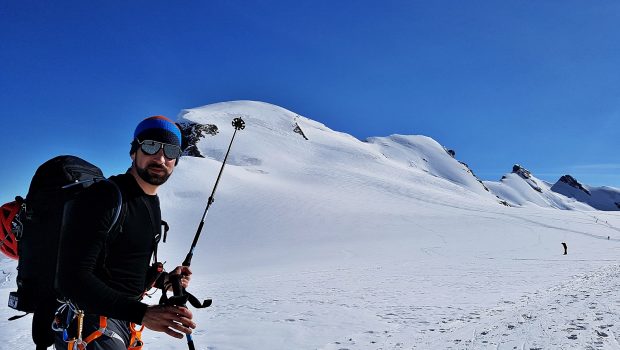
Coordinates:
(382, 308)
(359, 308)
(579, 314)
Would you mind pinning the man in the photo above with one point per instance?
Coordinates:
(106, 276)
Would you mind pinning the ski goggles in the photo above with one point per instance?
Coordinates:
(151, 147)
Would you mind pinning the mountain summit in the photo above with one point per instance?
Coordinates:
(601, 198)
(279, 142)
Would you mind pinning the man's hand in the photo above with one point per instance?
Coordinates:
(185, 273)
(169, 319)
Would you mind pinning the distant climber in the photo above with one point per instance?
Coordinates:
(565, 248)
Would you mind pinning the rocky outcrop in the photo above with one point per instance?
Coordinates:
(297, 130)
(451, 152)
(504, 202)
(569, 180)
(472, 173)
(521, 171)
(527, 176)
(192, 133)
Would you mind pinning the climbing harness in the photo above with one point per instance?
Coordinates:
(67, 313)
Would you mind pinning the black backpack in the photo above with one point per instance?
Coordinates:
(54, 185)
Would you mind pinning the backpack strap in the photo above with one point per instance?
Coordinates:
(119, 207)
(156, 269)
(163, 226)
(116, 226)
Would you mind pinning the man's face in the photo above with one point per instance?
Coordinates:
(153, 169)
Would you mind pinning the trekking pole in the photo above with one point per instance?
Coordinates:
(181, 297)
(180, 300)
(238, 124)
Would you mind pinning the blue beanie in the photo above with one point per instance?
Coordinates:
(158, 128)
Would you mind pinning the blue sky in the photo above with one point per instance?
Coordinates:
(500, 82)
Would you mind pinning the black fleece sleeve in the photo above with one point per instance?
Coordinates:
(83, 239)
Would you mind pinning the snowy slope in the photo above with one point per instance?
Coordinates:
(602, 198)
(521, 188)
(425, 154)
(335, 243)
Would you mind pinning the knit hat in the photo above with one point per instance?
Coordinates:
(158, 128)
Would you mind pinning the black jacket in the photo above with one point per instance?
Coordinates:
(111, 288)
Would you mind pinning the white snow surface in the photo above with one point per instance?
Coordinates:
(334, 243)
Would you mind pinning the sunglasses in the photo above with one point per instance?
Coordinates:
(151, 147)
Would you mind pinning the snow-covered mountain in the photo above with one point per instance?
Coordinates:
(521, 188)
(602, 198)
(419, 160)
(317, 240)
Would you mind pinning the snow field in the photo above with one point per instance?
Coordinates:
(333, 243)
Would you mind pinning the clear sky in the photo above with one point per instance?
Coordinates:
(500, 82)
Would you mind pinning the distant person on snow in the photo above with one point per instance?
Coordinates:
(565, 248)
(109, 289)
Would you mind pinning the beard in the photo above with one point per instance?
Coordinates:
(149, 175)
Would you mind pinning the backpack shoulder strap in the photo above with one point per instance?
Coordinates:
(116, 226)
(119, 211)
